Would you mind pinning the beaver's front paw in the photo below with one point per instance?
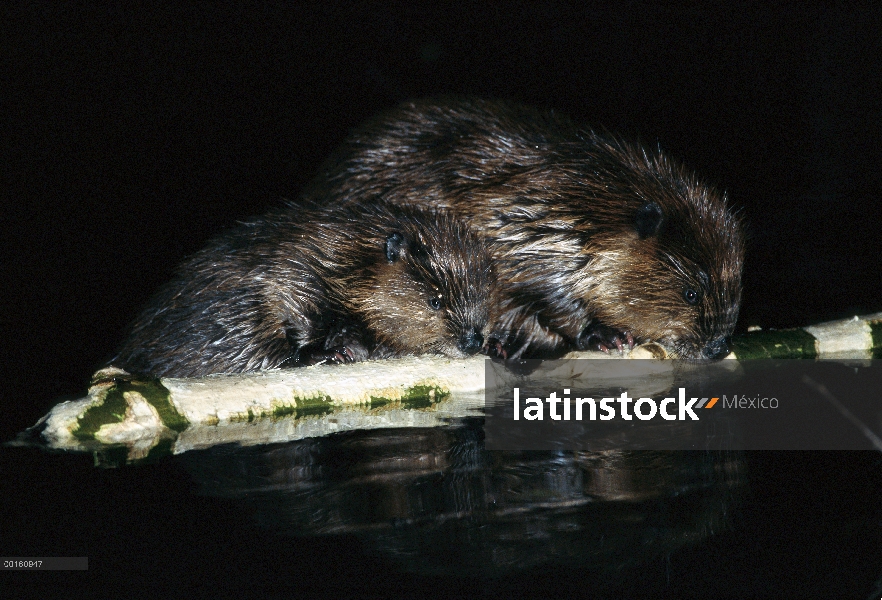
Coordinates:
(329, 356)
(493, 348)
(597, 336)
(349, 340)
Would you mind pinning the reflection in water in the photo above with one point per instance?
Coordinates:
(434, 500)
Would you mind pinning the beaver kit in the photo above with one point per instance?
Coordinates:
(598, 242)
(366, 280)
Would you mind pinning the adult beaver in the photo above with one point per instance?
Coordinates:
(368, 279)
(597, 241)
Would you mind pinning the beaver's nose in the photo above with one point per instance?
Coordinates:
(471, 341)
(716, 349)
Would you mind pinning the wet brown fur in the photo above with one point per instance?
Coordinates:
(560, 204)
(257, 296)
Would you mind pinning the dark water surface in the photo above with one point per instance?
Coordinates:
(429, 512)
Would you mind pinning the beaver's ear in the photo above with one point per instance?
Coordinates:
(395, 246)
(649, 220)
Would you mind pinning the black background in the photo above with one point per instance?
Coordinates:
(132, 134)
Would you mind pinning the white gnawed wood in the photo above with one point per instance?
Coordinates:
(855, 338)
(838, 337)
(280, 405)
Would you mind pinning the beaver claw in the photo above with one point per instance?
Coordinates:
(493, 348)
(603, 338)
(333, 356)
(342, 345)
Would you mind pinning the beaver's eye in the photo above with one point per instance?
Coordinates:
(435, 303)
(691, 296)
